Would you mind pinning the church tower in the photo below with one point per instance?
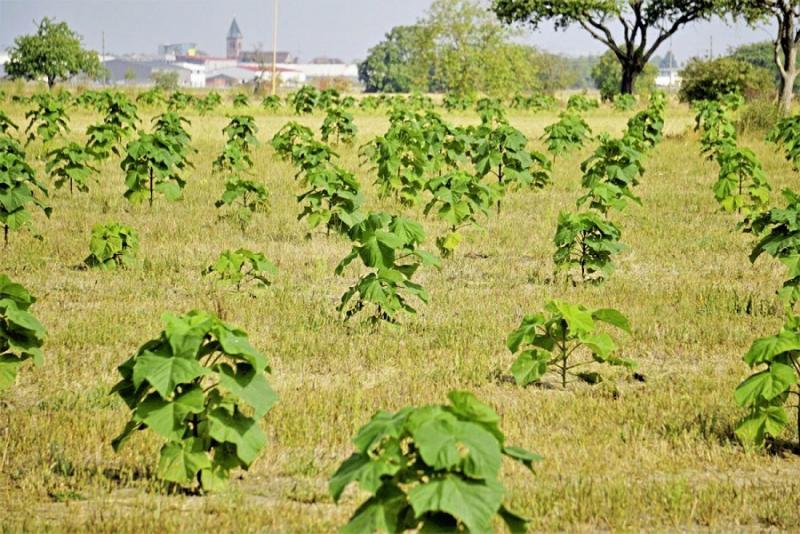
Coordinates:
(234, 41)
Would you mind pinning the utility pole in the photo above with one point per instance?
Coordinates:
(275, 47)
(103, 55)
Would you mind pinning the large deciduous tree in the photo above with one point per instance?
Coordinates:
(54, 52)
(787, 14)
(644, 25)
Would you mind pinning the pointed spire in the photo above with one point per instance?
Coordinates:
(234, 32)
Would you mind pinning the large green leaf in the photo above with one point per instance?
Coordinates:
(768, 420)
(766, 385)
(767, 348)
(529, 367)
(164, 372)
(181, 461)
(473, 503)
(447, 443)
(382, 513)
(166, 417)
(248, 385)
(239, 430)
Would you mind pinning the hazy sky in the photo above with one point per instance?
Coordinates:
(308, 28)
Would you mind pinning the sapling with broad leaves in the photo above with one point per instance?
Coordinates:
(21, 333)
(624, 102)
(773, 385)
(778, 233)
(240, 100)
(48, 119)
(742, 185)
(245, 198)
(271, 103)
(339, 123)
(71, 164)
(503, 151)
(304, 100)
(786, 134)
(112, 245)
(432, 468)
(152, 97)
(202, 388)
(288, 137)
(388, 245)
(565, 339)
(333, 199)
(491, 112)
(581, 103)
(610, 174)
(585, 243)
(459, 198)
(570, 133)
(457, 102)
(243, 266)
(19, 189)
(208, 103)
(151, 165)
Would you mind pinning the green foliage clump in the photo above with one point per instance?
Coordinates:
(21, 334)
(202, 388)
(776, 360)
(241, 141)
(431, 469)
(742, 185)
(333, 199)
(48, 119)
(570, 133)
(119, 123)
(610, 174)
(151, 165)
(388, 246)
(19, 188)
(457, 102)
(240, 100)
(491, 111)
(786, 135)
(237, 267)
(304, 101)
(581, 104)
(70, 164)
(208, 103)
(553, 340)
(624, 102)
(271, 103)
(339, 122)
(713, 79)
(458, 198)
(586, 242)
(245, 197)
(112, 245)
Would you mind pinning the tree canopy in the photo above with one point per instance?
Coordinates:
(54, 52)
(644, 24)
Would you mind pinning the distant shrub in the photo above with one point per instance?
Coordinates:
(711, 80)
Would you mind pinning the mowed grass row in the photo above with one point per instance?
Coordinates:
(624, 455)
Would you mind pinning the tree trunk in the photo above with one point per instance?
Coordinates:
(788, 77)
(630, 71)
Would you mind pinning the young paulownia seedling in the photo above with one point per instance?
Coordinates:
(112, 245)
(21, 334)
(555, 341)
(202, 388)
(241, 267)
(432, 468)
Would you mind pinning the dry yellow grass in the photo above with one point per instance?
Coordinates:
(627, 455)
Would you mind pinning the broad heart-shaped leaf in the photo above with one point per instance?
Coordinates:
(167, 417)
(186, 333)
(8, 370)
(445, 443)
(601, 345)
(766, 349)
(238, 430)
(367, 470)
(529, 367)
(385, 512)
(763, 421)
(382, 425)
(164, 372)
(612, 317)
(578, 318)
(466, 406)
(766, 385)
(248, 385)
(235, 343)
(473, 503)
(181, 461)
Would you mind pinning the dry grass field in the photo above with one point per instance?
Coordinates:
(625, 455)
